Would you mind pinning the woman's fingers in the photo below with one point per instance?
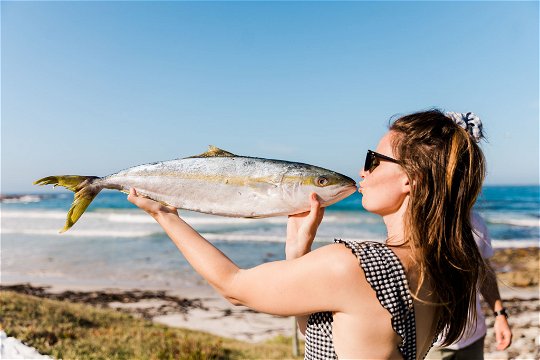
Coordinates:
(132, 197)
(151, 206)
(316, 211)
(140, 201)
(315, 203)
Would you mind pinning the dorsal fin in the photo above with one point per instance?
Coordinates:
(214, 151)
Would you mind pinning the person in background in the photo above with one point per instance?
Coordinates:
(471, 346)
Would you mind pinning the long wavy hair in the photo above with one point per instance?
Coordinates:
(446, 169)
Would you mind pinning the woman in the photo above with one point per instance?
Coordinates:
(370, 300)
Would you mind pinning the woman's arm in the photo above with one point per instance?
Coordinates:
(301, 231)
(304, 285)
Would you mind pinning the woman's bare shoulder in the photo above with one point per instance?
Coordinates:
(341, 262)
(351, 290)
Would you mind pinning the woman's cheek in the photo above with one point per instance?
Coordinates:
(365, 201)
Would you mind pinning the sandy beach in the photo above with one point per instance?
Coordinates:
(201, 308)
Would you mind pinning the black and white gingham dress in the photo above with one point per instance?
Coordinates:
(386, 276)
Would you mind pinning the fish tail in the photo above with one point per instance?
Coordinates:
(85, 191)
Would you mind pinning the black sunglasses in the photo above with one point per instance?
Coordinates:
(373, 160)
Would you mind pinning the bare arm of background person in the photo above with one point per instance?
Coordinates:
(490, 291)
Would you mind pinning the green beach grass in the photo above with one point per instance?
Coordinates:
(76, 331)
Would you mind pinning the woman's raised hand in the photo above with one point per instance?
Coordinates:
(152, 207)
(302, 228)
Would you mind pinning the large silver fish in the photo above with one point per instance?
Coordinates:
(216, 182)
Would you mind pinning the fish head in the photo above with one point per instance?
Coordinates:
(329, 185)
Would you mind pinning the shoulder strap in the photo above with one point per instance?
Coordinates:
(386, 275)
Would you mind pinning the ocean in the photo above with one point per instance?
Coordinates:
(115, 244)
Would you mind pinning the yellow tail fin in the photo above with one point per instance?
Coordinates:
(84, 191)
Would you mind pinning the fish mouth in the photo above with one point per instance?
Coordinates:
(342, 193)
(348, 190)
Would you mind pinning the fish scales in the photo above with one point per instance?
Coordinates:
(212, 185)
(217, 182)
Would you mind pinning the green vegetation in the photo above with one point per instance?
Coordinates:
(76, 331)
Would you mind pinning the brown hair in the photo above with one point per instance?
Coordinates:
(446, 169)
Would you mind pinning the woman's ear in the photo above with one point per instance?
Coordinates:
(406, 187)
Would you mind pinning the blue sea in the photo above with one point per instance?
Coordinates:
(114, 244)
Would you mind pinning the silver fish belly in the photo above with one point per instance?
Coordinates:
(217, 182)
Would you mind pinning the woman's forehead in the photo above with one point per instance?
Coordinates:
(385, 146)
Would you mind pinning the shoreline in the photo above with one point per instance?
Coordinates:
(515, 268)
(210, 312)
(200, 307)
(215, 315)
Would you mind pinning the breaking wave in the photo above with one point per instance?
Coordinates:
(516, 222)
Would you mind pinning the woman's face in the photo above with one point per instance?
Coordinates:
(385, 188)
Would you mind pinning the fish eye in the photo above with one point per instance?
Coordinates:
(321, 181)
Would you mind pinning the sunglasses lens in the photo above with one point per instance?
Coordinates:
(371, 162)
(367, 164)
(374, 163)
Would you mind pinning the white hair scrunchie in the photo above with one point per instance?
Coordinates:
(468, 121)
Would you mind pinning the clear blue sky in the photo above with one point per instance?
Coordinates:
(91, 88)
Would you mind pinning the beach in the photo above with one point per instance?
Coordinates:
(203, 309)
(118, 258)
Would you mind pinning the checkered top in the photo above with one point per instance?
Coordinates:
(386, 276)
